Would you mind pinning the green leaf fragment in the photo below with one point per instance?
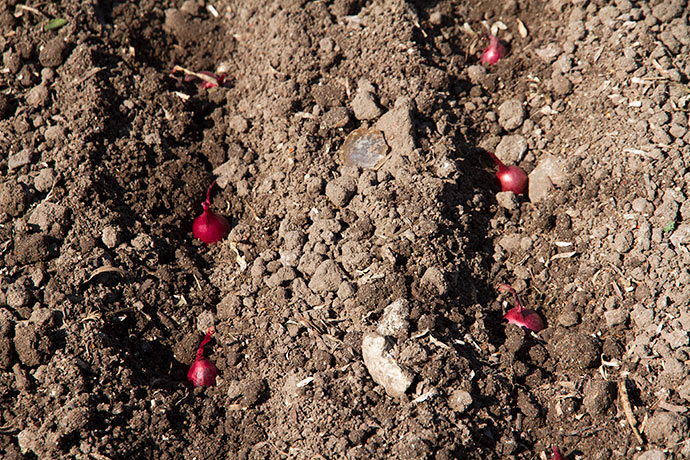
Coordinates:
(671, 226)
(55, 23)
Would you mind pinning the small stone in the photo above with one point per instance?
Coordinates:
(346, 290)
(327, 277)
(398, 128)
(623, 241)
(598, 396)
(564, 63)
(616, 317)
(111, 237)
(561, 84)
(54, 134)
(642, 206)
(433, 277)
(680, 236)
(665, 11)
(45, 179)
(507, 200)
(12, 61)
(676, 339)
(511, 114)
(511, 149)
(340, 190)
(205, 320)
(549, 172)
(569, 318)
(477, 73)
(395, 319)
(53, 53)
(382, 367)
(653, 454)
(37, 96)
(19, 159)
(238, 124)
(460, 400)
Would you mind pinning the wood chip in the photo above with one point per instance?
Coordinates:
(521, 28)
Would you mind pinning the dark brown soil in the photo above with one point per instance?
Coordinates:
(356, 311)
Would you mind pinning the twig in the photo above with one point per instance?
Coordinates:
(30, 10)
(627, 409)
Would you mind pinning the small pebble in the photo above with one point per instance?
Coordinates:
(616, 317)
(19, 159)
(511, 114)
(111, 237)
(512, 149)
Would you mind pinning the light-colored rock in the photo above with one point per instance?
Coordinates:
(460, 400)
(383, 369)
(511, 149)
(654, 454)
(511, 114)
(19, 159)
(395, 318)
(327, 277)
(397, 128)
(550, 170)
(680, 236)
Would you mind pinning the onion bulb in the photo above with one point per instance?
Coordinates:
(494, 52)
(520, 316)
(210, 227)
(203, 372)
(512, 178)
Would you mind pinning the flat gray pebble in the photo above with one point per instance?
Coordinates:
(512, 149)
(623, 241)
(511, 114)
(616, 317)
(654, 454)
(19, 159)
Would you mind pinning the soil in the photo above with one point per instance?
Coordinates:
(356, 309)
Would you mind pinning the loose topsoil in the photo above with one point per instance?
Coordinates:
(356, 310)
